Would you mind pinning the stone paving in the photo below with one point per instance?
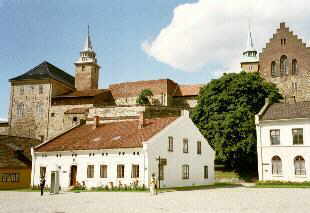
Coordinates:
(238, 199)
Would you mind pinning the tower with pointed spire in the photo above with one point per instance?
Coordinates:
(86, 67)
(249, 60)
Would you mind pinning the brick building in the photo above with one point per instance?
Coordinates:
(285, 61)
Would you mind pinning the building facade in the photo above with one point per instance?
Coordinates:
(127, 152)
(283, 142)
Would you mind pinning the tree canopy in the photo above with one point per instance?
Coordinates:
(143, 98)
(225, 115)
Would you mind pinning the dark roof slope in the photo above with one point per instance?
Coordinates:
(15, 151)
(121, 134)
(287, 111)
(44, 71)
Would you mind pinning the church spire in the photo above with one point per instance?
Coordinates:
(87, 54)
(88, 46)
(249, 60)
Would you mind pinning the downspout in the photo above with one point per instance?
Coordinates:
(261, 149)
(32, 166)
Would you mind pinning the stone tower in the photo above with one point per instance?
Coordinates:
(249, 60)
(86, 68)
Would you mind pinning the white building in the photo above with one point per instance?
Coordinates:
(283, 142)
(124, 151)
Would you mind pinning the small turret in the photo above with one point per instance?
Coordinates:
(86, 67)
(249, 60)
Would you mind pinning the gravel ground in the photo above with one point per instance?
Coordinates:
(239, 199)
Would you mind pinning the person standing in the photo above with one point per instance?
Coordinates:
(42, 185)
(153, 187)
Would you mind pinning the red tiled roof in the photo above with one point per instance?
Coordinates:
(15, 151)
(287, 111)
(189, 90)
(84, 93)
(122, 134)
(81, 110)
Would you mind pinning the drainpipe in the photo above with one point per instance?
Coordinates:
(32, 166)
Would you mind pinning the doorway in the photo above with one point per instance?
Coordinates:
(73, 175)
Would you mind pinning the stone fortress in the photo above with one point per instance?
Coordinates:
(46, 101)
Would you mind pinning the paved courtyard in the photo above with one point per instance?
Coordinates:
(211, 200)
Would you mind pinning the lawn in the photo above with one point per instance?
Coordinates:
(279, 184)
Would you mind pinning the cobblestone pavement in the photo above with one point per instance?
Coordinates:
(239, 199)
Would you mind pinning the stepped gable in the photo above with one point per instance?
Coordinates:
(287, 111)
(121, 134)
(15, 152)
(45, 71)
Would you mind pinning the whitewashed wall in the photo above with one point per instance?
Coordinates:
(286, 150)
(183, 127)
(63, 165)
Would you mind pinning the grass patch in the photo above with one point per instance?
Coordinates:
(225, 174)
(281, 184)
(115, 189)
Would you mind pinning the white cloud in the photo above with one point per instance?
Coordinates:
(214, 32)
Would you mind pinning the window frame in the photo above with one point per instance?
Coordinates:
(90, 171)
(294, 66)
(298, 136)
(272, 137)
(120, 171)
(170, 144)
(205, 172)
(185, 172)
(284, 68)
(185, 145)
(199, 147)
(103, 171)
(301, 169)
(135, 171)
(276, 166)
(273, 69)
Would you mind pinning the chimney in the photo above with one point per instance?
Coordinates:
(96, 122)
(141, 120)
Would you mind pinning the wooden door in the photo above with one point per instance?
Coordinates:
(73, 175)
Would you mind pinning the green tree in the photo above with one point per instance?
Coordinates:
(143, 98)
(225, 115)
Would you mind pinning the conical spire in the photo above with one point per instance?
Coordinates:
(87, 45)
(250, 42)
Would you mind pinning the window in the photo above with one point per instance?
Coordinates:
(294, 67)
(170, 145)
(39, 108)
(294, 85)
(20, 110)
(297, 136)
(40, 89)
(284, 65)
(275, 136)
(205, 172)
(161, 172)
(90, 171)
(74, 119)
(185, 172)
(21, 90)
(199, 147)
(9, 177)
(103, 171)
(52, 114)
(185, 145)
(120, 171)
(135, 171)
(42, 171)
(276, 163)
(83, 68)
(299, 164)
(273, 69)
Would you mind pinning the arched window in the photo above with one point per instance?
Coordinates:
(276, 165)
(273, 69)
(284, 65)
(294, 67)
(299, 164)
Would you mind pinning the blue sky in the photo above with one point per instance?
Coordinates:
(189, 41)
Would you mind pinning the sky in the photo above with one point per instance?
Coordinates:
(188, 41)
